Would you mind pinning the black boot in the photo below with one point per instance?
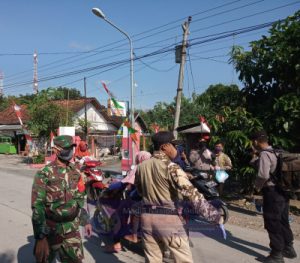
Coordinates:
(274, 257)
(289, 251)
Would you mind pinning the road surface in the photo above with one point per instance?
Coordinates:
(16, 240)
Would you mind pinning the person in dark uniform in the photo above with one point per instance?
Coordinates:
(275, 201)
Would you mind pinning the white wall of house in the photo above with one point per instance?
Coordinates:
(96, 119)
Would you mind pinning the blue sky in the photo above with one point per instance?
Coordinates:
(68, 38)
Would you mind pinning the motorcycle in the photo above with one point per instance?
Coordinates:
(111, 210)
(206, 183)
(95, 179)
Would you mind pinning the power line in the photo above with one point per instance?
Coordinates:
(160, 51)
(196, 14)
(192, 75)
(244, 17)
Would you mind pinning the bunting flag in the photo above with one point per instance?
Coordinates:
(115, 102)
(106, 89)
(51, 139)
(134, 137)
(128, 125)
(117, 105)
(18, 113)
(131, 131)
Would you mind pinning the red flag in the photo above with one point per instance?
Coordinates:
(17, 110)
(18, 113)
(106, 89)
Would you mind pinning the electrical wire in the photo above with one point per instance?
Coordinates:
(160, 51)
(202, 12)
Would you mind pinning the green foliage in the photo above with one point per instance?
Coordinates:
(62, 93)
(3, 103)
(272, 66)
(270, 72)
(38, 159)
(47, 116)
(81, 123)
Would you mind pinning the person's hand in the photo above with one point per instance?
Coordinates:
(189, 175)
(41, 250)
(88, 230)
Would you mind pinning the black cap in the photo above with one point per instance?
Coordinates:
(161, 138)
(261, 134)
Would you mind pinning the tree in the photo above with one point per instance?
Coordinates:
(62, 93)
(46, 116)
(272, 66)
(270, 72)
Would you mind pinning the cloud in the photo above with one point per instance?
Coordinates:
(79, 46)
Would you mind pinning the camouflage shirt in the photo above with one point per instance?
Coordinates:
(55, 196)
(161, 182)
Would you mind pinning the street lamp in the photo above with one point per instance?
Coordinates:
(98, 12)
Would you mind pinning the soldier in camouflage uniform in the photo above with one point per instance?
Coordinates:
(58, 198)
(161, 184)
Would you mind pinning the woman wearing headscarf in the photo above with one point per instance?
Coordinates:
(82, 150)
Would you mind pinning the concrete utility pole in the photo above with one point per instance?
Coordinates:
(183, 47)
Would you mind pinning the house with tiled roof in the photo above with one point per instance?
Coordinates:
(9, 122)
(103, 128)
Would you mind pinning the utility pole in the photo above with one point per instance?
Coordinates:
(181, 48)
(85, 111)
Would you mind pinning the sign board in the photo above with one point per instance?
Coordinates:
(67, 130)
(112, 110)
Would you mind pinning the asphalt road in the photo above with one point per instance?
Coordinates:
(16, 240)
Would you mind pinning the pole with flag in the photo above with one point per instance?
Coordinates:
(17, 109)
(113, 99)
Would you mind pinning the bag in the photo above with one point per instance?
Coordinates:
(287, 172)
(221, 176)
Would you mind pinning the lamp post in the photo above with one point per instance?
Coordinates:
(98, 12)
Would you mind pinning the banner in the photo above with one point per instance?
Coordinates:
(116, 108)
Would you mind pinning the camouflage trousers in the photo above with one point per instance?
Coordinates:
(68, 247)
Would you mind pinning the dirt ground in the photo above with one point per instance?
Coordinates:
(243, 213)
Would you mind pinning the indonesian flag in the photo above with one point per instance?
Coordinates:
(51, 139)
(18, 113)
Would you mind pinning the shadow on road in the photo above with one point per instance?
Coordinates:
(25, 253)
(243, 210)
(92, 245)
(239, 244)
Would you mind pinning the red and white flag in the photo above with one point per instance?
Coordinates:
(106, 89)
(17, 109)
(51, 139)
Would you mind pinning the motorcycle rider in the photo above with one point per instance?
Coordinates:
(202, 158)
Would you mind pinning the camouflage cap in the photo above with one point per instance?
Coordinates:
(64, 141)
